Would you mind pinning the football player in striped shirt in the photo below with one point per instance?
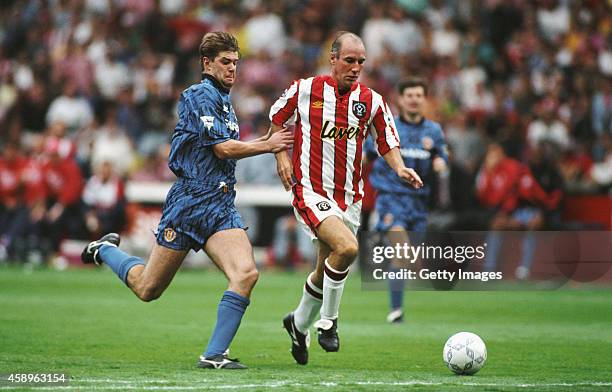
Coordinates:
(333, 115)
(199, 211)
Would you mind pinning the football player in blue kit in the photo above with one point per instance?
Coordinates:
(402, 208)
(199, 211)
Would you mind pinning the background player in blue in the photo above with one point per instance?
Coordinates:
(199, 211)
(402, 208)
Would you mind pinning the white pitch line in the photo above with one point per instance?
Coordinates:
(131, 385)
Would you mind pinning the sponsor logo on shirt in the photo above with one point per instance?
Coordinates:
(331, 131)
(209, 121)
(415, 153)
(231, 125)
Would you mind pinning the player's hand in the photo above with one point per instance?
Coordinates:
(439, 165)
(410, 176)
(55, 212)
(280, 141)
(284, 168)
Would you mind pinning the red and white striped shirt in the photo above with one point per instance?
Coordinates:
(329, 133)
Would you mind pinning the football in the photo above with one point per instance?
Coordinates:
(465, 353)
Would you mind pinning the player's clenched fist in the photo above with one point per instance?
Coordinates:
(280, 141)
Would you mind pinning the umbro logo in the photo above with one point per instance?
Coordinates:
(317, 105)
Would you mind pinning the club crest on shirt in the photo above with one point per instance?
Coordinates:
(169, 235)
(323, 206)
(427, 142)
(359, 109)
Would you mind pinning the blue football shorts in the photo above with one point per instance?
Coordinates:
(193, 212)
(407, 211)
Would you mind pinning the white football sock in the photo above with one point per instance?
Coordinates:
(309, 306)
(333, 285)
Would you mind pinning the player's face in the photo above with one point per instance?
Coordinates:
(412, 100)
(223, 68)
(349, 63)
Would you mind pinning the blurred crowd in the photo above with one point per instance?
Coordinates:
(88, 89)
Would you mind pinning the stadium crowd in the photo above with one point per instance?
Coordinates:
(88, 93)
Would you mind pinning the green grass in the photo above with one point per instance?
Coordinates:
(85, 323)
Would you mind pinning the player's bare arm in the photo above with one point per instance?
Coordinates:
(394, 159)
(284, 167)
(235, 149)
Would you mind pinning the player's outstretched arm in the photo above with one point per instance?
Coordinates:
(394, 159)
(235, 149)
(284, 167)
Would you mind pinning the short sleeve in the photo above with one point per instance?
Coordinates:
(203, 115)
(440, 147)
(383, 127)
(285, 106)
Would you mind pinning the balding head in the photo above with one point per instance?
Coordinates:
(344, 37)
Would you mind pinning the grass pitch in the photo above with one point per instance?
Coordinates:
(87, 324)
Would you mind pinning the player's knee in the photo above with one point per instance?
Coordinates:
(347, 251)
(247, 278)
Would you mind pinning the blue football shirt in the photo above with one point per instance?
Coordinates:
(206, 118)
(419, 144)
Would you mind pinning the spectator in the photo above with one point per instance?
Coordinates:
(70, 109)
(104, 202)
(12, 208)
(64, 183)
(111, 143)
(515, 201)
(548, 128)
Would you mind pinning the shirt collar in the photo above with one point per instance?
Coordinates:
(215, 82)
(332, 82)
(402, 119)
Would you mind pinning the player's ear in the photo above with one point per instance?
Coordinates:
(332, 58)
(205, 64)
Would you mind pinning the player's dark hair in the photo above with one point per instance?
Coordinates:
(215, 42)
(414, 81)
(337, 44)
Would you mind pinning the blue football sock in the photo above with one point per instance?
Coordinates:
(119, 261)
(529, 247)
(229, 314)
(396, 291)
(494, 243)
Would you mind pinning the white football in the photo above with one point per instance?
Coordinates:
(464, 353)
